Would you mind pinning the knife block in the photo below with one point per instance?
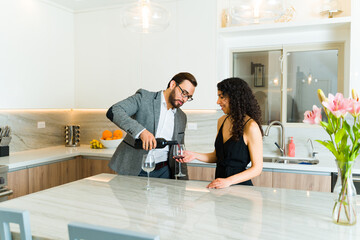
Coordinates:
(4, 151)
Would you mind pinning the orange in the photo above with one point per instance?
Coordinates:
(106, 134)
(108, 138)
(118, 134)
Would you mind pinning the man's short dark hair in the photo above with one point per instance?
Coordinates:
(180, 77)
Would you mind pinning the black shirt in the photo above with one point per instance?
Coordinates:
(232, 156)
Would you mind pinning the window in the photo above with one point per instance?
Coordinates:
(285, 80)
(261, 70)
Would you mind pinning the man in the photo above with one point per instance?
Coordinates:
(149, 115)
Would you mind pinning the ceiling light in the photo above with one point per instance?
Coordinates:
(276, 81)
(145, 17)
(309, 78)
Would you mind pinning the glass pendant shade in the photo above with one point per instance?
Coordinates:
(256, 11)
(145, 17)
(330, 7)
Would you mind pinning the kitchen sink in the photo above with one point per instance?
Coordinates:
(291, 160)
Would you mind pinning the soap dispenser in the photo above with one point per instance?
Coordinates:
(291, 152)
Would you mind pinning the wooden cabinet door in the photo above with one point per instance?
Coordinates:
(70, 170)
(52, 175)
(308, 182)
(263, 180)
(18, 181)
(201, 173)
(44, 177)
(91, 167)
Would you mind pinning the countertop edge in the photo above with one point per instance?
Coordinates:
(33, 158)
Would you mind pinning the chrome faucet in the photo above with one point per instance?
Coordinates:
(313, 152)
(282, 148)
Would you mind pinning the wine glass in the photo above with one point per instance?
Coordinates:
(179, 154)
(148, 165)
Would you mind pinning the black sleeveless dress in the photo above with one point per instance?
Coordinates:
(232, 156)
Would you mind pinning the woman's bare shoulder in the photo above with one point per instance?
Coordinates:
(220, 121)
(222, 118)
(252, 127)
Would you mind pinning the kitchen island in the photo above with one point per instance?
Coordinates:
(37, 157)
(183, 210)
(35, 170)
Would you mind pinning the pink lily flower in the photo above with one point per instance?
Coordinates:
(314, 116)
(337, 105)
(355, 107)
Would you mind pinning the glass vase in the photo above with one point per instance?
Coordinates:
(344, 211)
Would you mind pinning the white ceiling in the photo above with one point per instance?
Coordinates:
(83, 5)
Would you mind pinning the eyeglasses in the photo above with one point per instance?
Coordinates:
(185, 94)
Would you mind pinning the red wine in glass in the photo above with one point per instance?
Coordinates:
(179, 154)
(178, 157)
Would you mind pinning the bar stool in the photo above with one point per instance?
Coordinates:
(86, 231)
(14, 216)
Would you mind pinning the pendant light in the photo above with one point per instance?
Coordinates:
(330, 7)
(145, 17)
(256, 11)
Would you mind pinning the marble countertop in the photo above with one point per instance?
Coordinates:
(176, 209)
(31, 158)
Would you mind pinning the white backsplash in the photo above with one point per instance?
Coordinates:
(202, 139)
(26, 135)
(24, 132)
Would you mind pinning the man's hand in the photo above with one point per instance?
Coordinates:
(148, 140)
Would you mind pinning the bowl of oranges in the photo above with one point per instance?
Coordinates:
(111, 139)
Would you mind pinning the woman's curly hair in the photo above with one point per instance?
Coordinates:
(241, 102)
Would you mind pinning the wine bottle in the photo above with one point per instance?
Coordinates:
(160, 143)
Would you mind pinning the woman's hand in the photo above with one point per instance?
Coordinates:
(219, 183)
(188, 157)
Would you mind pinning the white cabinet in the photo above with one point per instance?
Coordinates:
(107, 66)
(37, 56)
(197, 38)
(112, 63)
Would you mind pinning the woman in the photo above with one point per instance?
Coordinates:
(239, 138)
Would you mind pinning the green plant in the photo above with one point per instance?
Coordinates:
(344, 138)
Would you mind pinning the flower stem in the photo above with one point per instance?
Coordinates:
(342, 196)
(343, 200)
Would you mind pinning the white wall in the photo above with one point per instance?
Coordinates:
(355, 47)
(36, 55)
(112, 63)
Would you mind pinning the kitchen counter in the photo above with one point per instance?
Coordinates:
(183, 210)
(32, 158)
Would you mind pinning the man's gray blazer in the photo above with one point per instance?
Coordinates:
(139, 111)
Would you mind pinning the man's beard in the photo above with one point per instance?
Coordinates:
(174, 103)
